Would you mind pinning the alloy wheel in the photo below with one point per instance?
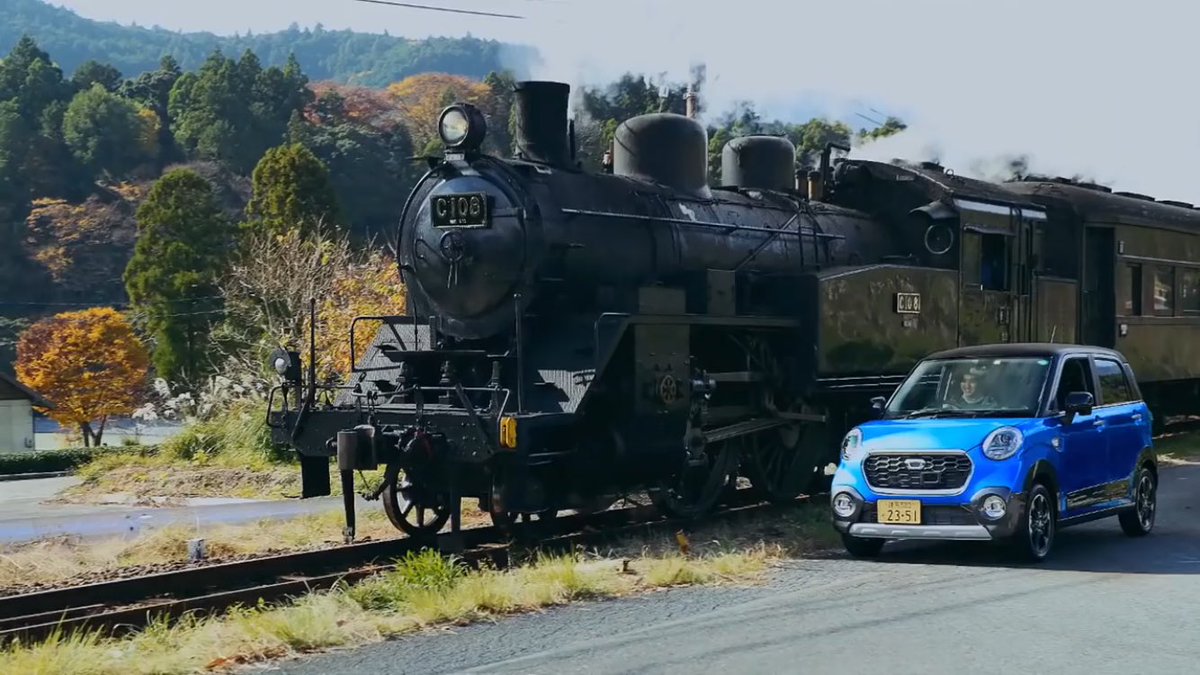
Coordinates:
(1041, 524)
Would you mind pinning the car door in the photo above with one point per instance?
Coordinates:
(1084, 448)
(1123, 420)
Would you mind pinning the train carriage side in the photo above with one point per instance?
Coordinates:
(1138, 261)
(967, 269)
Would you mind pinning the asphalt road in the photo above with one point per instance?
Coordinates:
(27, 514)
(1104, 604)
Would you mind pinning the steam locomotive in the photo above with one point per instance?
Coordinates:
(572, 337)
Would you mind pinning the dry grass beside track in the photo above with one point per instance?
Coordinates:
(428, 591)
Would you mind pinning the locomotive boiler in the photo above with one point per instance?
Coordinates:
(572, 337)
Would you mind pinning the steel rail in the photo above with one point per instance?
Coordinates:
(121, 606)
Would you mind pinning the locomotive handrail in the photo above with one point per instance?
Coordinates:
(391, 322)
(698, 223)
(271, 404)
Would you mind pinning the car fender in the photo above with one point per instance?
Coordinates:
(1045, 468)
(1148, 456)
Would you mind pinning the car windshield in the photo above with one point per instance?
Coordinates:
(997, 387)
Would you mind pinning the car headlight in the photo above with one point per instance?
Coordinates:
(851, 444)
(1003, 443)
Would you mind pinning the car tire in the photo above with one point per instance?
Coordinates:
(1034, 538)
(862, 547)
(1139, 520)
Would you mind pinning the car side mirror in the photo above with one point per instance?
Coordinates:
(877, 405)
(1079, 403)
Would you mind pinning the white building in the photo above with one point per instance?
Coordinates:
(16, 415)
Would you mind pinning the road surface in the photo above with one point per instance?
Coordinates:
(1104, 604)
(26, 514)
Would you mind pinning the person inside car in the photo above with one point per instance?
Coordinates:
(972, 394)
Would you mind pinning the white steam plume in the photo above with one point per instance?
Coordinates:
(1097, 89)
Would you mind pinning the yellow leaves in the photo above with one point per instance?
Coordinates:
(148, 129)
(89, 364)
(76, 242)
(370, 287)
(422, 97)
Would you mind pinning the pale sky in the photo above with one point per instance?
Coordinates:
(1101, 87)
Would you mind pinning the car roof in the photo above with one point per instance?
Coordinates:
(1004, 349)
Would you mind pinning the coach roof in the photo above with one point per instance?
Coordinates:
(1047, 349)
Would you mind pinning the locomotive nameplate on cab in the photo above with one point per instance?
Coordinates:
(908, 303)
(459, 210)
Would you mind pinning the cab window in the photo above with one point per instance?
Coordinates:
(1076, 376)
(1114, 387)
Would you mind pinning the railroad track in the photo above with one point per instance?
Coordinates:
(121, 606)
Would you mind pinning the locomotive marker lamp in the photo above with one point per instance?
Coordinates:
(287, 365)
(462, 127)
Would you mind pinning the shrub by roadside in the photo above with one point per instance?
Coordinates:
(66, 459)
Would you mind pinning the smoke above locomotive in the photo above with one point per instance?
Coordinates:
(485, 239)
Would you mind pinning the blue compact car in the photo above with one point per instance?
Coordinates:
(1007, 443)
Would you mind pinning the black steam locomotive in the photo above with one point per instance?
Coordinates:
(572, 337)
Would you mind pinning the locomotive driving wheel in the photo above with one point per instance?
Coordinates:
(694, 490)
(418, 513)
(781, 462)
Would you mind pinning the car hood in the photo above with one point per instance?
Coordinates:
(934, 434)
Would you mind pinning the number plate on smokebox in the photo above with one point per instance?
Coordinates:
(899, 512)
(459, 210)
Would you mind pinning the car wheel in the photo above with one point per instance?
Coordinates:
(861, 547)
(1039, 526)
(1139, 520)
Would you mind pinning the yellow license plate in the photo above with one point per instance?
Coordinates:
(899, 512)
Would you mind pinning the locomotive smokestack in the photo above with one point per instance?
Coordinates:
(542, 122)
(689, 101)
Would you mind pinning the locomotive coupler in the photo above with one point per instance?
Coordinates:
(357, 449)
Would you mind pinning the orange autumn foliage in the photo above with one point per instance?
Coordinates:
(361, 105)
(89, 364)
(422, 97)
(369, 287)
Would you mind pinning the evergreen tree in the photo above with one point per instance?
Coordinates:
(292, 190)
(94, 72)
(232, 111)
(152, 90)
(182, 248)
(104, 131)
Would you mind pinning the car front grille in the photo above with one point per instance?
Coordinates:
(917, 471)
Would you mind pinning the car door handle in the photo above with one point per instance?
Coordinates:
(1137, 416)
(1097, 423)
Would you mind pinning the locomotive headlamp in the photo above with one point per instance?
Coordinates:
(462, 127)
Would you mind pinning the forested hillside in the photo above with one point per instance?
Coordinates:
(342, 56)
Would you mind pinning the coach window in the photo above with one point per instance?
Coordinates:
(1189, 291)
(1164, 290)
(1113, 386)
(1130, 289)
